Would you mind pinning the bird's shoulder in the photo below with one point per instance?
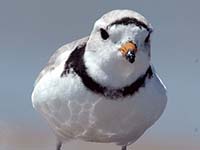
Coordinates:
(59, 56)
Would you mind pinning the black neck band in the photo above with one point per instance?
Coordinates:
(76, 64)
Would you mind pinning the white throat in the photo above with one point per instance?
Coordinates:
(115, 73)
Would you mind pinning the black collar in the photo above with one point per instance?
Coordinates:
(76, 64)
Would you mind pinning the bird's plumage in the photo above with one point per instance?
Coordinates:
(70, 91)
(59, 56)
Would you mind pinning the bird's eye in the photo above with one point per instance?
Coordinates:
(104, 34)
(147, 38)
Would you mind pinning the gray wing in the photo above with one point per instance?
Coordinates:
(57, 57)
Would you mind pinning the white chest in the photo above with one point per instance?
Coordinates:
(73, 111)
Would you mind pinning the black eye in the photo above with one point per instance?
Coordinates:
(104, 34)
(147, 38)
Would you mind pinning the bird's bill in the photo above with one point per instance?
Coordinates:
(128, 46)
(128, 50)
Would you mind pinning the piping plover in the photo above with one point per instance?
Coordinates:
(103, 88)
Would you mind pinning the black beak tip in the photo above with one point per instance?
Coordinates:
(130, 56)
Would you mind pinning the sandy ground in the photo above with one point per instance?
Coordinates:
(43, 139)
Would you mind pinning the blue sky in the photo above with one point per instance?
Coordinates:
(30, 31)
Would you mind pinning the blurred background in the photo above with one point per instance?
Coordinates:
(30, 31)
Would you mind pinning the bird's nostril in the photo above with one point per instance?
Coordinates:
(130, 56)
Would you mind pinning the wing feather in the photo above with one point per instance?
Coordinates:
(59, 56)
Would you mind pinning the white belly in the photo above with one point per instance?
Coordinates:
(75, 112)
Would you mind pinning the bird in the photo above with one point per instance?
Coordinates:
(103, 88)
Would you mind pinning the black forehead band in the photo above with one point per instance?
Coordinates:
(128, 20)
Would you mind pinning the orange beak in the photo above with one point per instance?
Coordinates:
(128, 50)
(128, 47)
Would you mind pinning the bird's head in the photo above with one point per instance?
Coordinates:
(120, 39)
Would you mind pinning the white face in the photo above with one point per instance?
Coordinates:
(106, 42)
(109, 43)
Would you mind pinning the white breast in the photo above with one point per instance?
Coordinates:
(75, 112)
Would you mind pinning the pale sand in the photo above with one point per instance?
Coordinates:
(43, 139)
